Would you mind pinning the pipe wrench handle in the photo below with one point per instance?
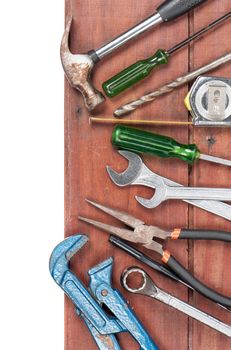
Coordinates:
(119, 307)
(87, 305)
(103, 341)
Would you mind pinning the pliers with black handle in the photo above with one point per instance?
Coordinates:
(147, 235)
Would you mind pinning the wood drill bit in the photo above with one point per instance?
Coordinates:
(132, 106)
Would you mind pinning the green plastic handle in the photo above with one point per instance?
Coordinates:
(141, 141)
(134, 74)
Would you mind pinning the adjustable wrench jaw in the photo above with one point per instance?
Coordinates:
(88, 305)
(61, 255)
(100, 285)
(101, 274)
(72, 286)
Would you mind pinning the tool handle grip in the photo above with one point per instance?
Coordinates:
(172, 9)
(142, 257)
(133, 74)
(206, 235)
(141, 141)
(184, 275)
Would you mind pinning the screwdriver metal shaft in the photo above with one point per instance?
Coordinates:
(166, 12)
(131, 106)
(215, 159)
(141, 69)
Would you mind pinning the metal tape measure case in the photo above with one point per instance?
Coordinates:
(209, 101)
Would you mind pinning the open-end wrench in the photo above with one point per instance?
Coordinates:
(164, 192)
(149, 288)
(138, 174)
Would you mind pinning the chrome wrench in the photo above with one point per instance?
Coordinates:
(149, 288)
(164, 192)
(138, 174)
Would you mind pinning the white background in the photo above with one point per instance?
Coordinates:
(31, 144)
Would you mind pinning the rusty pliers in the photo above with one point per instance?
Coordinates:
(147, 236)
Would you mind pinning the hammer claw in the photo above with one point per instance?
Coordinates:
(78, 69)
(65, 39)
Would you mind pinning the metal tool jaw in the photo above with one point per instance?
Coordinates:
(137, 173)
(137, 233)
(209, 101)
(88, 303)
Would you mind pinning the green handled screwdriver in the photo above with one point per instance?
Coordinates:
(141, 69)
(141, 141)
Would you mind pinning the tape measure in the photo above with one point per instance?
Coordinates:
(209, 101)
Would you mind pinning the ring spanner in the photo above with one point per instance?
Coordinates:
(88, 302)
(150, 289)
(138, 173)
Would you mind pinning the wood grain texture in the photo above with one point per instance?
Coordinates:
(88, 150)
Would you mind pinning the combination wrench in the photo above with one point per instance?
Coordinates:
(164, 192)
(138, 173)
(150, 289)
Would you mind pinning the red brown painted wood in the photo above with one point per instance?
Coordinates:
(210, 261)
(88, 151)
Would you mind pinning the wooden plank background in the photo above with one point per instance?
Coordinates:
(88, 151)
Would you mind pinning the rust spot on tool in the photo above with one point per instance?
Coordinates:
(78, 71)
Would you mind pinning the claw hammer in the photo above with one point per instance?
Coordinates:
(78, 67)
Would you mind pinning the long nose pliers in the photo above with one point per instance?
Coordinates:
(147, 235)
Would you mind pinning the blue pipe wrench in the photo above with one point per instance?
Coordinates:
(88, 303)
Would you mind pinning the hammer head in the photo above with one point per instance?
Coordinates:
(78, 71)
(61, 255)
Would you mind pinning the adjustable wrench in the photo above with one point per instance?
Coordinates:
(138, 174)
(88, 303)
(149, 288)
